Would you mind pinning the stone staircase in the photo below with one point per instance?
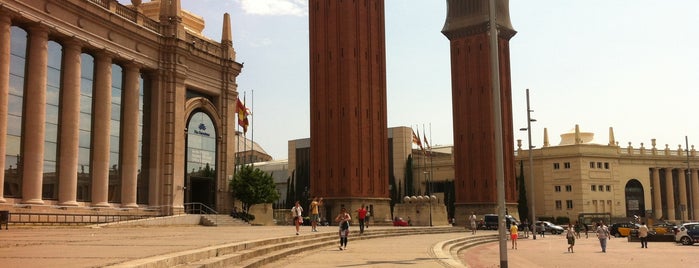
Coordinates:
(257, 253)
(221, 220)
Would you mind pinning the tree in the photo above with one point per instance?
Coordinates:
(522, 205)
(253, 186)
(409, 190)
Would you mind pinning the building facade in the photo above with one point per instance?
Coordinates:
(110, 106)
(580, 175)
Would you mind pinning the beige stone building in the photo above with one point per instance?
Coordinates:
(127, 109)
(580, 175)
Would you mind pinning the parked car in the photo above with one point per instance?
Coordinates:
(620, 229)
(398, 221)
(549, 227)
(491, 221)
(688, 234)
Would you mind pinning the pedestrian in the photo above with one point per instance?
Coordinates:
(296, 215)
(473, 219)
(361, 215)
(587, 229)
(603, 235)
(577, 229)
(570, 235)
(315, 215)
(541, 229)
(526, 228)
(513, 235)
(643, 235)
(343, 220)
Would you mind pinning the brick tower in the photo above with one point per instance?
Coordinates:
(466, 27)
(349, 138)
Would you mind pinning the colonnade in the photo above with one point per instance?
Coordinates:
(687, 185)
(32, 152)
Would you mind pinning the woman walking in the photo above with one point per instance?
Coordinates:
(570, 235)
(343, 219)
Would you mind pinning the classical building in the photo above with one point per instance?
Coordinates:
(349, 154)
(116, 107)
(581, 175)
(467, 28)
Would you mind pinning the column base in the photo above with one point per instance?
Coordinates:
(132, 205)
(101, 204)
(69, 204)
(33, 202)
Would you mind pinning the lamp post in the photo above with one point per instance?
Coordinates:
(689, 176)
(531, 164)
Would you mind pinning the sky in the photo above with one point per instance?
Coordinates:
(628, 64)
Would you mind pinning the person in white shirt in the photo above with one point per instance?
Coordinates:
(296, 214)
(643, 235)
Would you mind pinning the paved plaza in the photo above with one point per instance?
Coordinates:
(98, 247)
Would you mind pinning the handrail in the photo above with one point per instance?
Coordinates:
(200, 208)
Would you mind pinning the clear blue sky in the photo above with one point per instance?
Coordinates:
(628, 64)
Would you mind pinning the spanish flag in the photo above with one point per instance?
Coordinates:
(243, 113)
(416, 140)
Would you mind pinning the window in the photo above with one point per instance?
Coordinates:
(592, 164)
(566, 165)
(558, 205)
(606, 165)
(593, 187)
(556, 165)
(557, 188)
(569, 188)
(569, 204)
(600, 188)
(599, 164)
(609, 188)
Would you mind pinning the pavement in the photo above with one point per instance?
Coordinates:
(98, 247)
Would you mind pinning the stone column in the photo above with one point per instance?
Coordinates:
(683, 193)
(695, 194)
(100, 129)
(34, 116)
(129, 149)
(70, 125)
(657, 200)
(5, 36)
(670, 198)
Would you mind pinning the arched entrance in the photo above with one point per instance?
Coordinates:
(635, 203)
(201, 160)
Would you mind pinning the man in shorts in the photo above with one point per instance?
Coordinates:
(315, 215)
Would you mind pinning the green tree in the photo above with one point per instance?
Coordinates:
(522, 205)
(253, 186)
(409, 190)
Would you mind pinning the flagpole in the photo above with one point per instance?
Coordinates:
(245, 134)
(252, 127)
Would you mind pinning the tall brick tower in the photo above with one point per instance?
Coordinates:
(466, 27)
(349, 138)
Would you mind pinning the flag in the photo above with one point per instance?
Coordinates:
(243, 113)
(416, 140)
(427, 144)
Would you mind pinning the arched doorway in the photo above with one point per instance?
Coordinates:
(201, 160)
(635, 203)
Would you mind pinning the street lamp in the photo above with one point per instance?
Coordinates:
(531, 163)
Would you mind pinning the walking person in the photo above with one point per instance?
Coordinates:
(643, 235)
(526, 228)
(587, 229)
(603, 235)
(361, 215)
(296, 214)
(513, 235)
(570, 235)
(577, 229)
(473, 219)
(315, 215)
(343, 219)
